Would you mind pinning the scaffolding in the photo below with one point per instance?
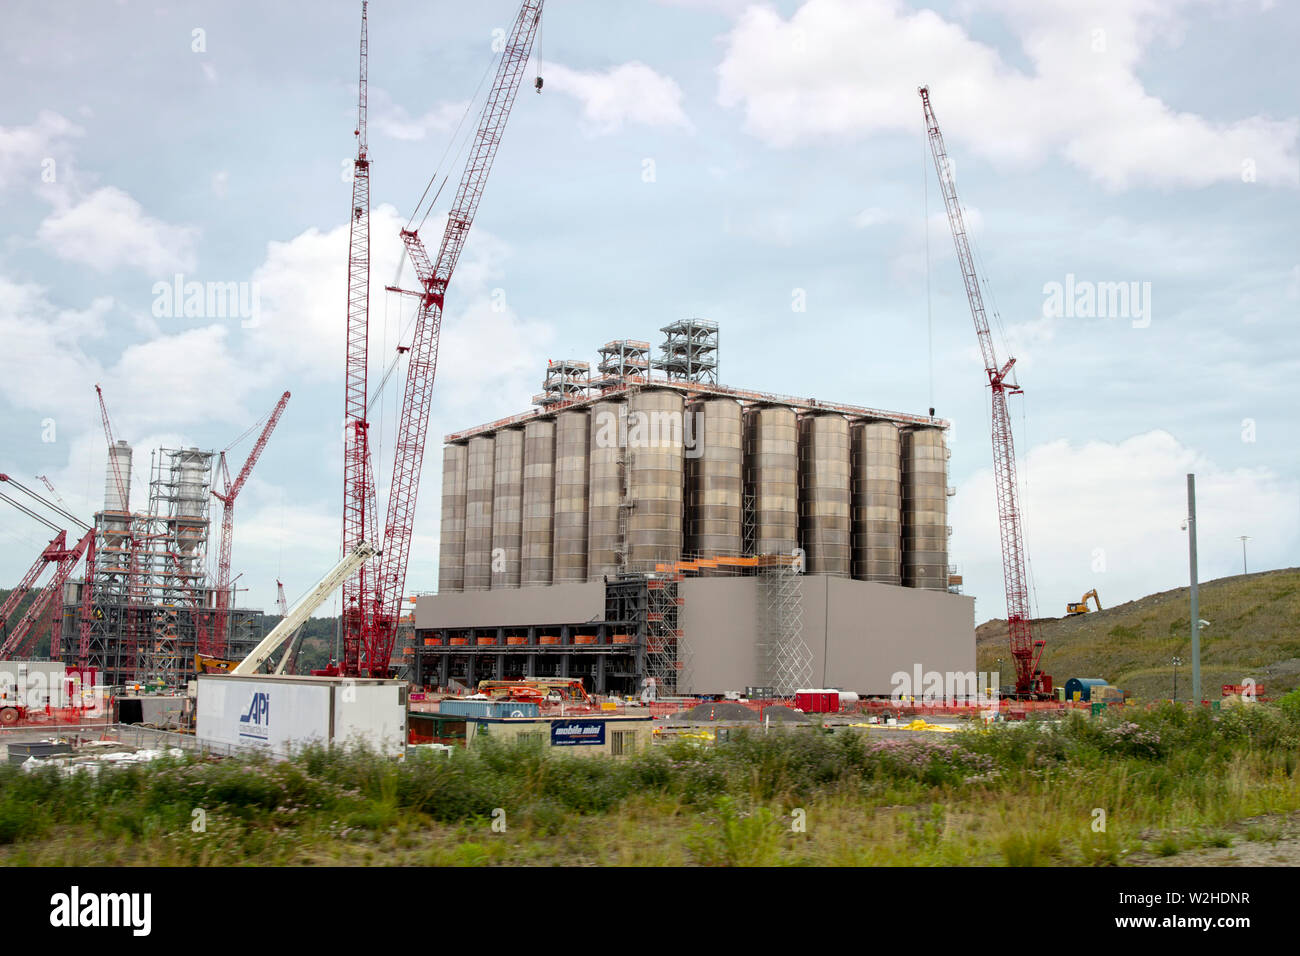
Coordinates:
(566, 380)
(787, 659)
(622, 361)
(664, 649)
(690, 351)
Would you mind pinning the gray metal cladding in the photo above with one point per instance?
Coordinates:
(824, 493)
(772, 477)
(538, 535)
(714, 477)
(605, 491)
(655, 477)
(925, 509)
(451, 539)
(571, 466)
(877, 502)
(507, 507)
(480, 473)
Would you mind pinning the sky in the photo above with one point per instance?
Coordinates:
(763, 165)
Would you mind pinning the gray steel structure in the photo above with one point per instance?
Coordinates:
(478, 513)
(772, 477)
(655, 477)
(451, 539)
(877, 502)
(824, 493)
(538, 538)
(507, 508)
(606, 545)
(715, 477)
(925, 509)
(571, 464)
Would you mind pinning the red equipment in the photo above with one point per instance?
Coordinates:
(64, 558)
(1025, 651)
(378, 604)
(221, 632)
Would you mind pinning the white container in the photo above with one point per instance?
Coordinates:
(35, 684)
(281, 714)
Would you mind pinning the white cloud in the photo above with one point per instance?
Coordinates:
(44, 346)
(221, 184)
(851, 67)
(1117, 508)
(630, 93)
(109, 230)
(393, 120)
(23, 149)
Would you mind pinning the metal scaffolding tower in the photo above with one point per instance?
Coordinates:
(664, 646)
(621, 361)
(787, 659)
(566, 380)
(690, 351)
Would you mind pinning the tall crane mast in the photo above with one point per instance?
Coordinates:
(1025, 650)
(359, 519)
(221, 632)
(422, 362)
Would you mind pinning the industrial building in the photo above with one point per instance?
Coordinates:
(644, 525)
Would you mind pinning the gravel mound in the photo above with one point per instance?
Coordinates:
(719, 710)
(779, 713)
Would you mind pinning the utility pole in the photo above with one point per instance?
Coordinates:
(1196, 611)
(1244, 539)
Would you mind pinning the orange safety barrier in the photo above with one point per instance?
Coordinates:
(621, 638)
(584, 638)
(516, 641)
(458, 641)
(548, 639)
(486, 641)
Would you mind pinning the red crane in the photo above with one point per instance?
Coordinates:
(381, 607)
(1025, 650)
(358, 478)
(221, 632)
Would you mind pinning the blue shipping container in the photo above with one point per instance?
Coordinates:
(459, 707)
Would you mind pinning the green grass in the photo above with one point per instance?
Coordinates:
(1162, 781)
(1252, 634)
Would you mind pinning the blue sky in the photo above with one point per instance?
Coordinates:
(721, 159)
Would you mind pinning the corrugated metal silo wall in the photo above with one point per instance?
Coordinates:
(772, 477)
(571, 463)
(824, 493)
(538, 536)
(605, 490)
(507, 507)
(714, 477)
(655, 478)
(877, 502)
(925, 509)
(478, 512)
(451, 539)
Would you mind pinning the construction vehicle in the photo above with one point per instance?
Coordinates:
(1081, 607)
(206, 664)
(567, 690)
(1026, 651)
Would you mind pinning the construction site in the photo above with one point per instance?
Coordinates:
(644, 529)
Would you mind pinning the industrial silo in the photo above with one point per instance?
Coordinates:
(877, 502)
(714, 456)
(571, 463)
(772, 476)
(191, 468)
(605, 545)
(478, 512)
(451, 539)
(655, 478)
(824, 493)
(538, 502)
(507, 507)
(925, 509)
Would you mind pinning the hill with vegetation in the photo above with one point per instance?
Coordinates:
(1254, 632)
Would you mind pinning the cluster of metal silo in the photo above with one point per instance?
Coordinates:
(478, 512)
(571, 463)
(772, 477)
(714, 435)
(507, 507)
(605, 488)
(451, 541)
(925, 508)
(824, 493)
(877, 502)
(655, 477)
(538, 538)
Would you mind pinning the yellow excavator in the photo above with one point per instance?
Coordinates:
(1071, 609)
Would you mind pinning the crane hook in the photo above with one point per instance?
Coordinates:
(537, 84)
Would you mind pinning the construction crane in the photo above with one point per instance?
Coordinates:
(380, 604)
(1025, 650)
(289, 659)
(359, 510)
(1081, 607)
(221, 630)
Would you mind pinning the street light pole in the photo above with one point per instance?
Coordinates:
(1196, 612)
(1244, 539)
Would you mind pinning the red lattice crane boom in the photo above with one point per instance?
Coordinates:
(1025, 650)
(382, 617)
(359, 519)
(221, 630)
